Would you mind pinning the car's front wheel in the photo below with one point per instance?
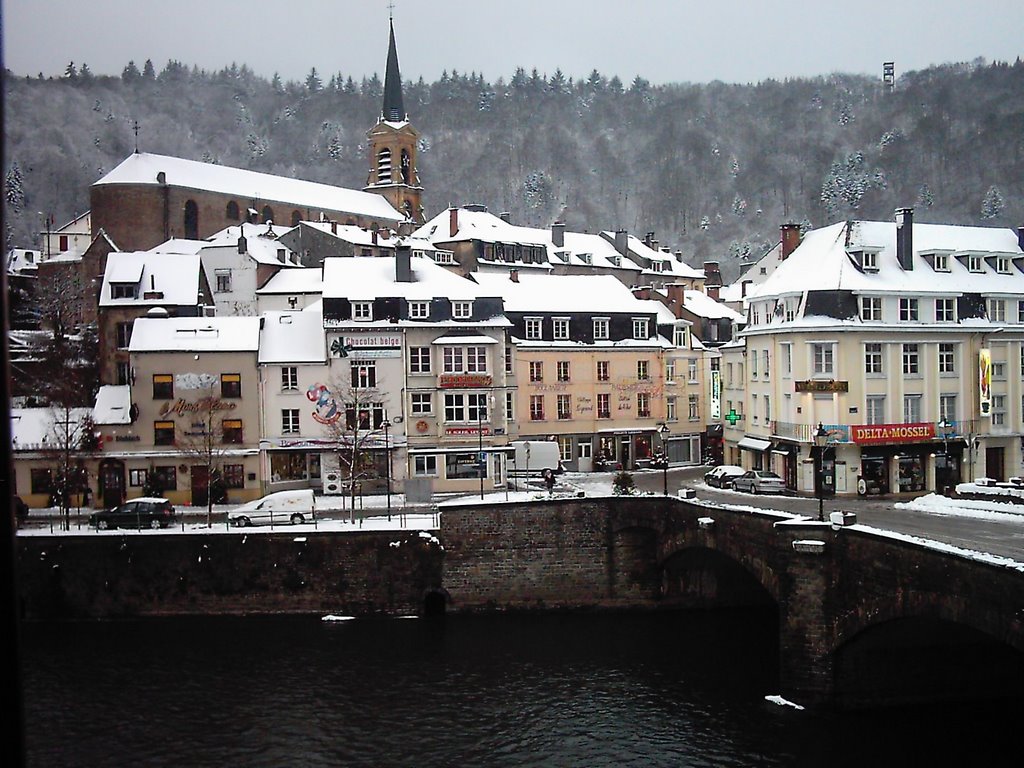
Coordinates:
(102, 525)
(298, 519)
(154, 524)
(242, 522)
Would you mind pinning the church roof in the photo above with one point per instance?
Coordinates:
(143, 167)
(393, 109)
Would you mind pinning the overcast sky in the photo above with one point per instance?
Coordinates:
(679, 41)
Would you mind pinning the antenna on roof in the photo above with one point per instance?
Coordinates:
(391, 11)
(135, 127)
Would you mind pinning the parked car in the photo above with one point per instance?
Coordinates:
(759, 481)
(723, 475)
(144, 512)
(294, 507)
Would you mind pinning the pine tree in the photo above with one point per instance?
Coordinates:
(70, 73)
(148, 71)
(992, 205)
(131, 73)
(14, 193)
(313, 83)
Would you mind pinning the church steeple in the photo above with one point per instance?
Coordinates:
(393, 110)
(393, 144)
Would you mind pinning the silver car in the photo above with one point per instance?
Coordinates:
(759, 481)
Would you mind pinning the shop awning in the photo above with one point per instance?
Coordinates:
(754, 444)
(785, 449)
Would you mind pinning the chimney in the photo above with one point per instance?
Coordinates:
(712, 275)
(453, 221)
(790, 239)
(513, 275)
(373, 236)
(679, 256)
(648, 239)
(642, 292)
(334, 227)
(712, 291)
(676, 297)
(385, 234)
(242, 245)
(506, 217)
(558, 234)
(403, 263)
(905, 238)
(743, 287)
(622, 241)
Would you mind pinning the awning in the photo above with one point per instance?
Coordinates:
(785, 449)
(754, 444)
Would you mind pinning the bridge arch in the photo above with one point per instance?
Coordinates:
(705, 577)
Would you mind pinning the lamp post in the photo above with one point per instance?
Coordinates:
(820, 440)
(481, 463)
(944, 427)
(663, 430)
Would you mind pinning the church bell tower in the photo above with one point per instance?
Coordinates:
(393, 143)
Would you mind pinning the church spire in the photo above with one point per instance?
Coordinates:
(393, 109)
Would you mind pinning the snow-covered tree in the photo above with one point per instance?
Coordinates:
(313, 82)
(992, 204)
(14, 193)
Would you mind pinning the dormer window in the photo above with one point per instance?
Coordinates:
(1002, 265)
(656, 266)
(124, 291)
(462, 310)
(586, 258)
(975, 263)
(941, 262)
(362, 310)
(869, 260)
(419, 310)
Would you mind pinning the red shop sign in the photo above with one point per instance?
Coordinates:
(869, 434)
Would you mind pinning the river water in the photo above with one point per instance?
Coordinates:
(679, 689)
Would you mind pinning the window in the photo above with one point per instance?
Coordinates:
(640, 328)
(600, 328)
(563, 370)
(998, 410)
(123, 332)
(222, 279)
(41, 481)
(476, 360)
(670, 371)
(163, 386)
(234, 475)
(123, 291)
(231, 429)
(509, 368)
(691, 370)
(693, 408)
(364, 373)
(824, 359)
(290, 421)
(603, 370)
(873, 359)
(765, 363)
(941, 262)
(268, 214)
(945, 310)
(787, 359)
(123, 372)
(947, 359)
(419, 310)
(767, 408)
(455, 407)
(911, 360)
(230, 385)
(362, 310)
(477, 407)
(536, 407)
(464, 465)
(753, 407)
(1002, 265)
(643, 404)
(869, 260)
(565, 448)
(137, 477)
(975, 264)
(462, 310)
(165, 478)
(289, 378)
(997, 310)
(870, 308)
(419, 359)
(679, 336)
(533, 328)
(753, 364)
(947, 407)
(231, 213)
(424, 466)
(421, 403)
(510, 400)
(163, 433)
(1020, 311)
(564, 406)
(536, 371)
(670, 408)
(604, 406)
(560, 327)
(790, 311)
(908, 310)
(874, 410)
(643, 370)
(998, 371)
(370, 416)
(911, 409)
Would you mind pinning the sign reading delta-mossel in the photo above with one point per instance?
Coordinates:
(892, 433)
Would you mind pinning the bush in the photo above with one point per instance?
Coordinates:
(623, 484)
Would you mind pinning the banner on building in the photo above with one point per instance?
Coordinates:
(985, 381)
(716, 394)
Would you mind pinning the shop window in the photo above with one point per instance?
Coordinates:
(165, 478)
(137, 478)
(461, 465)
(424, 466)
(234, 475)
(287, 465)
(41, 480)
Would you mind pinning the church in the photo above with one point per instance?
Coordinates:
(149, 199)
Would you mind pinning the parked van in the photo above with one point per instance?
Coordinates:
(293, 507)
(532, 457)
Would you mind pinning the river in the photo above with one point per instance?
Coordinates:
(667, 689)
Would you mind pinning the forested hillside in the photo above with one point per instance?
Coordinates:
(713, 169)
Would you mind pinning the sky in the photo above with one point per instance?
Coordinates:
(663, 41)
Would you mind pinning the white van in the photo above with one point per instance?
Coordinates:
(293, 507)
(532, 457)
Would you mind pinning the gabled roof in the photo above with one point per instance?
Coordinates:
(294, 337)
(293, 281)
(702, 305)
(368, 279)
(143, 167)
(175, 277)
(594, 294)
(823, 262)
(195, 334)
(113, 405)
(261, 244)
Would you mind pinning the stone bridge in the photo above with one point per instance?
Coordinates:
(863, 618)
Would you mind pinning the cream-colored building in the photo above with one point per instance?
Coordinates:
(880, 333)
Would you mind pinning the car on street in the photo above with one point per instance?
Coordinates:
(293, 507)
(759, 481)
(144, 512)
(723, 475)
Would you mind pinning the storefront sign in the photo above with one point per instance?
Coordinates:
(368, 345)
(463, 380)
(183, 407)
(716, 394)
(822, 386)
(985, 381)
(459, 431)
(871, 434)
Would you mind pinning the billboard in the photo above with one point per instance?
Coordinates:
(985, 381)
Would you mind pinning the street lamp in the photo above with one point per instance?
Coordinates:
(387, 448)
(945, 428)
(820, 440)
(663, 430)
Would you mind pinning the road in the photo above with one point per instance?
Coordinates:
(995, 533)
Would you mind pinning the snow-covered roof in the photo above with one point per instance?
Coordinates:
(822, 261)
(367, 279)
(702, 305)
(143, 167)
(113, 405)
(23, 260)
(669, 264)
(35, 428)
(562, 293)
(195, 334)
(179, 245)
(162, 279)
(294, 337)
(261, 244)
(291, 281)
